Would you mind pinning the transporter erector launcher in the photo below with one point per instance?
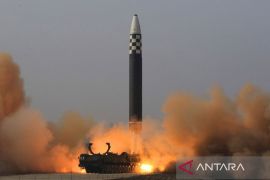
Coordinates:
(135, 76)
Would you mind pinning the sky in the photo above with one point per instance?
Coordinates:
(73, 55)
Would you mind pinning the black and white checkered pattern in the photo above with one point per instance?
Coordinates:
(135, 44)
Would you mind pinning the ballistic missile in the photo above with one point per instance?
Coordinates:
(135, 76)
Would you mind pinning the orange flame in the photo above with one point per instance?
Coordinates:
(146, 168)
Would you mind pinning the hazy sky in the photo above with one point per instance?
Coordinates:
(74, 54)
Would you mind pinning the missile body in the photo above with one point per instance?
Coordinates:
(135, 76)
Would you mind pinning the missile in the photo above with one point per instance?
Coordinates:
(135, 76)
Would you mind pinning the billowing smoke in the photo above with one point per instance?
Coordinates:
(11, 86)
(219, 125)
(71, 129)
(28, 143)
(213, 125)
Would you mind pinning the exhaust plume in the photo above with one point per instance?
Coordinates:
(212, 125)
(220, 125)
(28, 143)
(11, 86)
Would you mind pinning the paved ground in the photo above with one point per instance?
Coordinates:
(87, 176)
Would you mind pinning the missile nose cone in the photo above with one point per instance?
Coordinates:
(135, 25)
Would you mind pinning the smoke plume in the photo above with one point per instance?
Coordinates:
(212, 125)
(219, 125)
(28, 143)
(11, 86)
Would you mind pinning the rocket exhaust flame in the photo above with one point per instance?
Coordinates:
(146, 168)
